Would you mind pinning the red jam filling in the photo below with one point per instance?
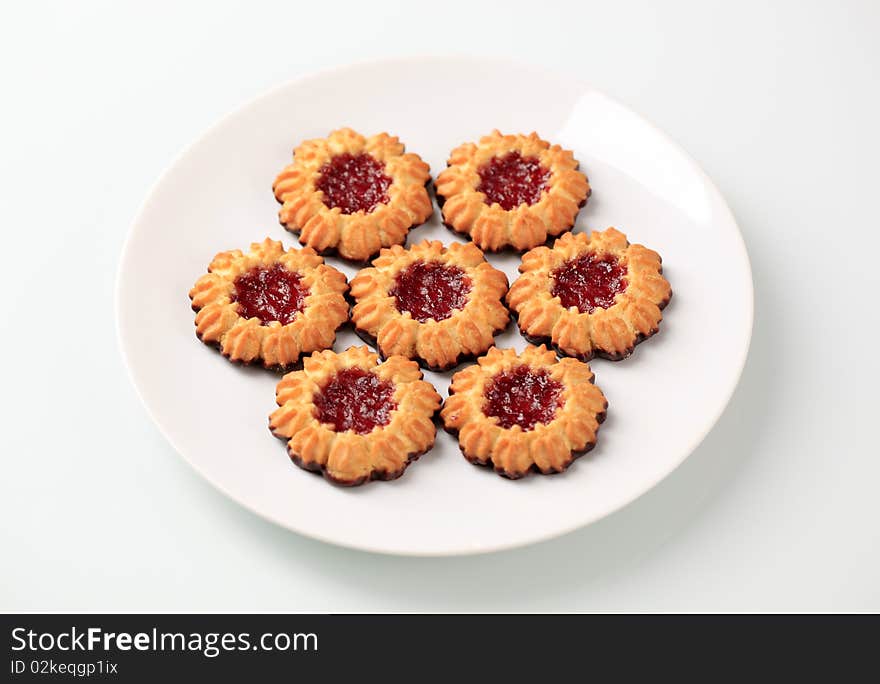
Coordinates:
(355, 399)
(589, 282)
(354, 183)
(522, 396)
(430, 290)
(512, 180)
(270, 293)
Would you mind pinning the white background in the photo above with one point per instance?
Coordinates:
(779, 509)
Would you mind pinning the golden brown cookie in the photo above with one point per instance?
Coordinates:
(354, 419)
(519, 413)
(268, 304)
(351, 195)
(435, 304)
(590, 295)
(511, 191)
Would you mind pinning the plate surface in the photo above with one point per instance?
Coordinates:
(217, 196)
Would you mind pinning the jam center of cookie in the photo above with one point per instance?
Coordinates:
(355, 399)
(354, 183)
(589, 282)
(430, 290)
(270, 293)
(523, 396)
(512, 180)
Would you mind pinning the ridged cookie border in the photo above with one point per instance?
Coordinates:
(277, 346)
(348, 458)
(435, 345)
(493, 228)
(356, 237)
(513, 452)
(611, 333)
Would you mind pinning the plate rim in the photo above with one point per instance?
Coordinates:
(551, 74)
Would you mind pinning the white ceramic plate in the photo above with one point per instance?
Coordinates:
(217, 196)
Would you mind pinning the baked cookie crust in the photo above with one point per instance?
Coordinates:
(543, 447)
(351, 457)
(467, 209)
(402, 200)
(438, 345)
(219, 320)
(610, 332)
